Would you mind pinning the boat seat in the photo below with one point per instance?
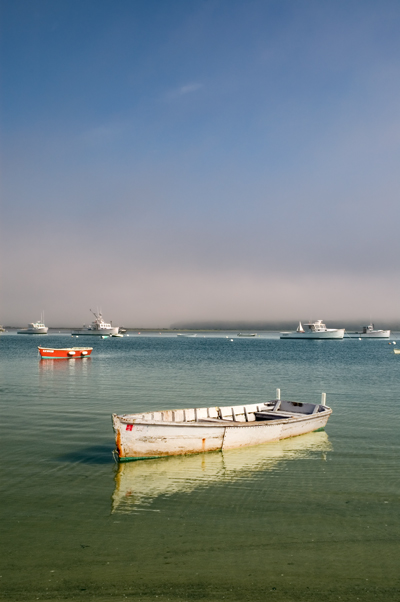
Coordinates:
(219, 421)
(224, 422)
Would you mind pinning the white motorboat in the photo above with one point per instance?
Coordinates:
(97, 328)
(314, 330)
(35, 327)
(369, 332)
(196, 430)
(246, 334)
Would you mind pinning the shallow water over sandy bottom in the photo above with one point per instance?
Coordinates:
(312, 518)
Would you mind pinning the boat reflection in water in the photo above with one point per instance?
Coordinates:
(62, 366)
(140, 482)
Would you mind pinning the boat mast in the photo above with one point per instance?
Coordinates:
(95, 315)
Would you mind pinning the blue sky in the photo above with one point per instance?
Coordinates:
(207, 160)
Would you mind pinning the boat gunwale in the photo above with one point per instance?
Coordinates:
(67, 348)
(222, 423)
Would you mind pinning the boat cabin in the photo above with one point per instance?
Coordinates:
(317, 326)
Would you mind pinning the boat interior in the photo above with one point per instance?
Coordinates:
(240, 415)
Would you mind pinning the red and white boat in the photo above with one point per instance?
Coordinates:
(67, 353)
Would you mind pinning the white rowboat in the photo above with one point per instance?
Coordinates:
(197, 430)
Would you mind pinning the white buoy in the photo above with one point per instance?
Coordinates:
(323, 399)
(232, 340)
(394, 343)
(278, 394)
(359, 338)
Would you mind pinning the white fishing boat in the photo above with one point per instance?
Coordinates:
(369, 332)
(314, 330)
(35, 327)
(196, 430)
(97, 328)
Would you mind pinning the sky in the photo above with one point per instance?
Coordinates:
(216, 160)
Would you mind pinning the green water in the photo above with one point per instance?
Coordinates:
(312, 518)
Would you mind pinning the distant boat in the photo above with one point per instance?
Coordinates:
(189, 336)
(314, 330)
(196, 430)
(66, 353)
(97, 328)
(396, 350)
(35, 327)
(246, 334)
(368, 332)
(2, 329)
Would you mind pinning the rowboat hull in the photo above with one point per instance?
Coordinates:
(141, 436)
(141, 482)
(66, 353)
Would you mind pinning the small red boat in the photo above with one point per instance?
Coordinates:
(67, 353)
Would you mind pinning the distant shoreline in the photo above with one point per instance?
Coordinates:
(277, 328)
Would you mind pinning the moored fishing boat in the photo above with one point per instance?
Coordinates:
(65, 353)
(97, 328)
(314, 330)
(196, 430)
(35, 327)
(369, 332)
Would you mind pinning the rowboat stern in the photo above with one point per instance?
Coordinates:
(138, 438)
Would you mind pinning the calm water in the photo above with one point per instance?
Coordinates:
(312, 518)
